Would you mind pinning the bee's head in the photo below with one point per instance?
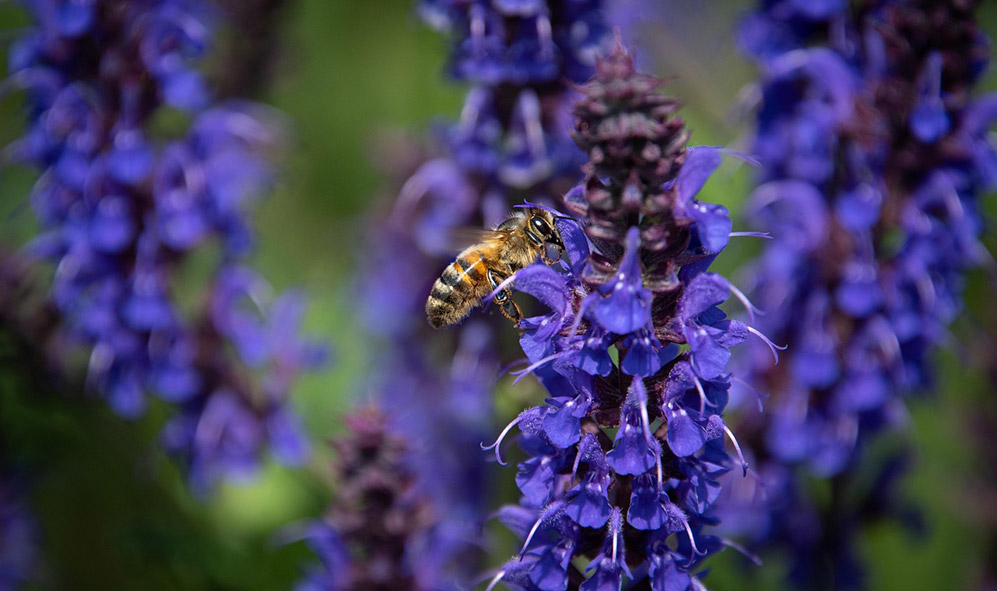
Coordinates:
(540, 228)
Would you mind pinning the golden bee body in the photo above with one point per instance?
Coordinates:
(479, 269)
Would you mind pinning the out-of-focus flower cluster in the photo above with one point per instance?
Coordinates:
(874, 157)
(623, 459)
(511, 143)
(123, 208)
(370, 539)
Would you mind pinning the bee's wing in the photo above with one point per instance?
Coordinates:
(462, 237)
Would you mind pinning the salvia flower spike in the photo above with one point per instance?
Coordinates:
(874, 156)
(623, 459)
(121, 209)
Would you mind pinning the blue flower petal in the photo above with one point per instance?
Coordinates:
(635, 451)
(685, 437)
(627, 306)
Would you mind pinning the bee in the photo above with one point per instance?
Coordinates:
(480, 269)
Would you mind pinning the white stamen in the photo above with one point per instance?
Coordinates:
(477, 24)
(926, 289)
(616, 537)
(702, 394)
(645, 422)
(752, 310)
(889, 344)
(412, 192)
(764, 235)
(692, 539)
(953, 204)
(495, 580)
(578, 459)
(529, 109)
(471, 110)
(744, 551)
(498, 442)
(15, 83)
(522, 373)
(529, 537)
(758, 395)
(737, 446)
(544, 33)
(772, 346)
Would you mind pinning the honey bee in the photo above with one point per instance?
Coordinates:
(480, 268)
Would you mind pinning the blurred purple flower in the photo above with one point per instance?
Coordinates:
(121, 211)
(874, 157)
(381, 531)
(511, 144)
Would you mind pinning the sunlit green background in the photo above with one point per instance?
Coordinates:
(355, 77)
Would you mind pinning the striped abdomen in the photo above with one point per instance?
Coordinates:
(461, 287)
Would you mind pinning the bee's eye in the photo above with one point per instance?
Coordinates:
(540, 225)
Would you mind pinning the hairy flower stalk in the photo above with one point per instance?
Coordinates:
(874, 156)
(623, 459)
(511, 144)
(123, 208)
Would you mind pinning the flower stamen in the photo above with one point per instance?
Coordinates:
(498, 442)
(772, 346)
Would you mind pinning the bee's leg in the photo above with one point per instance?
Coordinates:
(509, 308)
(504, 298)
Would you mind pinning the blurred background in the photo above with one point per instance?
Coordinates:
(359, 82)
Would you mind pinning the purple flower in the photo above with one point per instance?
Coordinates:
(588, 502)
(646, 511)
(562, 422)
(378, 514)
(709, 335)
(627, 451)
(664, 567)
(627, 305)
(512, 142)
(874, 156)
(122, 208)
(610, 565)
(549, 288)
(634, 451)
